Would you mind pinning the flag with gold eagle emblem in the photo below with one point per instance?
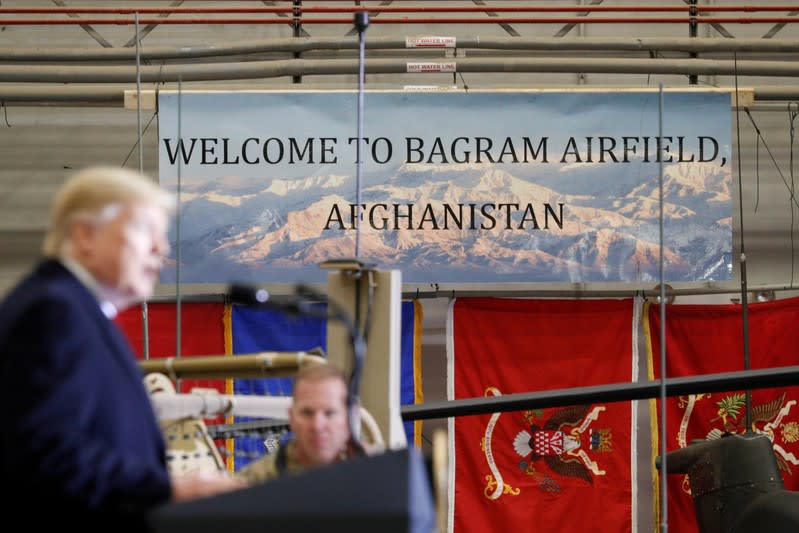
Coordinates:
(707, 339)
(567, 468)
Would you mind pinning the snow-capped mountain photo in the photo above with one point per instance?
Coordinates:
(509, 206)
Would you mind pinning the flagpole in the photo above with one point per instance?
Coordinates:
(664, 499)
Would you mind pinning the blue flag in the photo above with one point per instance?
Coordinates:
(258, 330)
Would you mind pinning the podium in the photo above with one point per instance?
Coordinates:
(389, 493)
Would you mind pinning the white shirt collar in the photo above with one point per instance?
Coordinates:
(85, 277)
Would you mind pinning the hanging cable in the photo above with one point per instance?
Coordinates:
(136, 144)
(5, 113)
(757, 168)
(465, 85)
(792, 134)
(771, 155)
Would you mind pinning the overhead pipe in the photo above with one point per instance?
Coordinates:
(99, 95)
(307, 44)
(254, 365)
(63, 10)
(389, 9)
(307, 67)
(777, 93)
(404, 20)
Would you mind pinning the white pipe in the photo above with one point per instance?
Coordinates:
(168, 406)
(307, 67)
(171, 406)
(305, 44)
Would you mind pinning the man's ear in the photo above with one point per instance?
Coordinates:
(81, 234)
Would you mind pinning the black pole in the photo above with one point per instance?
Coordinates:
(692, 27)
(744, 289)
(361, 21)
(296, 26)
(614, 392)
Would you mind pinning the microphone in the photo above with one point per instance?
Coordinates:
(300, 303)
(247, 294)
(361, 21)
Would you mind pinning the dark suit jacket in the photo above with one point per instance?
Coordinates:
(80, 441)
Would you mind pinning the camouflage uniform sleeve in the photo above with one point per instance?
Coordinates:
(261, 470)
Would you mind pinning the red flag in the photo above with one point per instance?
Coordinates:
(558, 469)
(704, 339)
(202, 333)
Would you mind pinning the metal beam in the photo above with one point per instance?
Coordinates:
(614, 392)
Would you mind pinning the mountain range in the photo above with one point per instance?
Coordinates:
(602, 223)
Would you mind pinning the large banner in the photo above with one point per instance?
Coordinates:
(454, 187)
(570, 468)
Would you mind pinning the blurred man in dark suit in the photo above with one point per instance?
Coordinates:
(80, 443)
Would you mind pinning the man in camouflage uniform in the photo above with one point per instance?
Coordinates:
(319, 423)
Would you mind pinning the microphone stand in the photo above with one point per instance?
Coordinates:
(307, 295)
(361, 23)
(359, 357)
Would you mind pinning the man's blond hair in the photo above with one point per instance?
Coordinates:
(320, 372)
(91, 191)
